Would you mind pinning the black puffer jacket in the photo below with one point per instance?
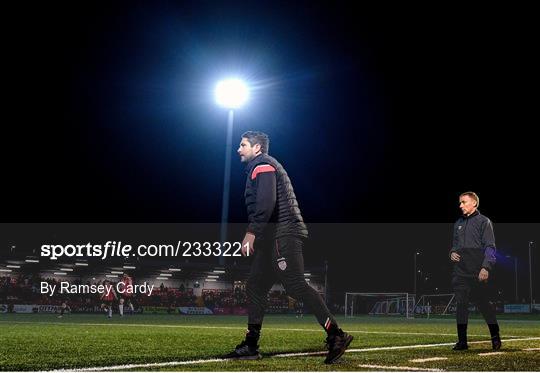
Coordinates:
(271, 204)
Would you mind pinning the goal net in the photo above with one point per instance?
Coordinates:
(435, 305)
(379, 304)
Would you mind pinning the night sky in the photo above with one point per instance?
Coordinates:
(379, 114)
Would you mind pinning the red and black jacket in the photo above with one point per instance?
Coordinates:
(270, 198)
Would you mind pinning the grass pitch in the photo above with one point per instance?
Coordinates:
(189, 343)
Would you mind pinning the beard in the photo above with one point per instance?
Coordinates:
(245, 158)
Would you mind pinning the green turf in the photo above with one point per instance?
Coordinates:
(43, 342)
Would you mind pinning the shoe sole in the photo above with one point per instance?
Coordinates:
(335, 358)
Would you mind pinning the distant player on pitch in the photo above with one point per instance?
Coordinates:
(127, 294)
(108, 299)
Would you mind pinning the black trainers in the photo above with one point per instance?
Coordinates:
(496, 342)
(460, 346)
(244, 352)
(336, 346)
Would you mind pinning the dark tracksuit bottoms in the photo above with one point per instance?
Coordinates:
(282, 261)
(474, 241)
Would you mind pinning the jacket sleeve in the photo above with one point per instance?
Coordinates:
(488, 243)
(455, 239)
(265, 184)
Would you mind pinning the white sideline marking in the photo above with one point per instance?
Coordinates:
(188, 362)
(131, 366)
(313, 353)
(385, 367)
(241, 328)
(386, 348)
(531, 349)
(428, 359)
(491, 353)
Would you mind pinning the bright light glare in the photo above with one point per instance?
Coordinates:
(231, 93)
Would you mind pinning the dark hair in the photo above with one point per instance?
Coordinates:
(256, 137)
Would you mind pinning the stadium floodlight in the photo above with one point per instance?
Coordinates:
(210, 279)
(212, 276)
(12, 266)
(60, 273)
(415, 270)
(67, 269)
(231, 93)
(129, 267)
(218, 271)
(162, 278)
(531, 243)
(5, 270)
(117, 272)
(81, 264)
(166, 274)
(32, 261)
(111, 276)
(515, 276)
(174, 269)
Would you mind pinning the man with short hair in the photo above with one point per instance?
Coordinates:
(275, 235)
(473, 255)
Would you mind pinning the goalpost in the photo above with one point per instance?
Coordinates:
(379, 304)
(435, 304)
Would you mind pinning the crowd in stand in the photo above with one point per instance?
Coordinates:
(21, 289)
(214, 298)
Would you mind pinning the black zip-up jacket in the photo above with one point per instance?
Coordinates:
(474, 241)
(270, 198)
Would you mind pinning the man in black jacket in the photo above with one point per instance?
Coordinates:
(275, 235)
(473, 254)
